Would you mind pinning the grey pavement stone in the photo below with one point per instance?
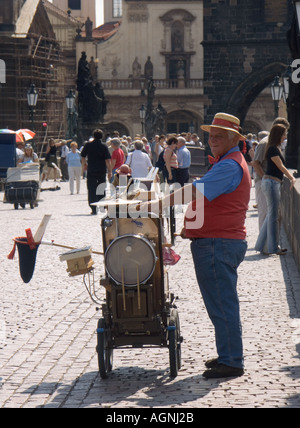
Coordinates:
(47, 327)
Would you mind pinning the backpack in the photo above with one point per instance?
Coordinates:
(160, 164)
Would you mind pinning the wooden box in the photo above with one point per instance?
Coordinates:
(79, 261)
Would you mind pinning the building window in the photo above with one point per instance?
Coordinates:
(74, 4)
(117, 9)
(177, 37)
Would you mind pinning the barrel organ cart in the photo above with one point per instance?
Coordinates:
(139, 309)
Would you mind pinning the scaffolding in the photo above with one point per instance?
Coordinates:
(37, 59)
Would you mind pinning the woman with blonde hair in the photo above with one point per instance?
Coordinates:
(29, 155)
(73, 160)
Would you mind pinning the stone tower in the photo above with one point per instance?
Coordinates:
(9, 13)
(80, 9)
(242, 57)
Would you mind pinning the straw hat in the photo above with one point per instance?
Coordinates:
(225, 121)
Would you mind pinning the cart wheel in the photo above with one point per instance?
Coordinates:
(174, 343)
(174, 313)
(105, 354)
(16, 206)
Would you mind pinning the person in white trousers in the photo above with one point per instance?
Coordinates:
(74, 167)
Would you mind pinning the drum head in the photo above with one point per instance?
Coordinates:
(130, 258)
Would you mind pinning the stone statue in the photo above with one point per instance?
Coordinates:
(150, 122)
(155, 118)
(136, 69)
(102, 106)
(93, 69)
(151, 88)
(161, 114)
(83, 72)
(148, 69)
(89, 28)
(91, 99)
(177, 40)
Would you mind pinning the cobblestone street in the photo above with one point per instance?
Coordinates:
(48, 339)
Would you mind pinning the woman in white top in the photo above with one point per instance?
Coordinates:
(28, 156)
(139, 161)
(73, 160)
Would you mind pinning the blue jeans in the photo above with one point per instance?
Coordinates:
(216, 261)
(268, 238)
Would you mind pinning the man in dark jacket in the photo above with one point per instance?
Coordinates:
(98, 164)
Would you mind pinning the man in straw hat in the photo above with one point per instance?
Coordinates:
(215, 224)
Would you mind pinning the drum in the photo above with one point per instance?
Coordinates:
(130, 260)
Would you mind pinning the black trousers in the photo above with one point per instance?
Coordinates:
(182, 176)
(96, 189)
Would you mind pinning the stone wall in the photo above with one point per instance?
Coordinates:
(290, 209)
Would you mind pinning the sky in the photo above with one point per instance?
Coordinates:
(99, 12)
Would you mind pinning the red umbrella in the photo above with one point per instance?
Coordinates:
(19, 138)
(25, 134)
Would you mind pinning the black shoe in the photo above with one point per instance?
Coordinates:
(213, 362)
(221, 370)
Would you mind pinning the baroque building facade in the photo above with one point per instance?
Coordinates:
(199, 53)
(158, 39)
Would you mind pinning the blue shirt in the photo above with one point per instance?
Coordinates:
(184, 157)
(224, 177)
(73, 159)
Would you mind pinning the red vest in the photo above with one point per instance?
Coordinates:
(224, 217)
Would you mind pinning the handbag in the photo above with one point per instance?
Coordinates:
(170, 258)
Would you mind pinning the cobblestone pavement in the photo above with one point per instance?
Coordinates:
(47, 327)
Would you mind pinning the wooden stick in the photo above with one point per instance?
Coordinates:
(138, 287)
(66, 246)
(41, 229)
(123, 290)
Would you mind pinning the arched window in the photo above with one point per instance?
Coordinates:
(177, 45)
(177, 34)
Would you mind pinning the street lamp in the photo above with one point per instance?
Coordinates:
(70, 100)
(192, 127)
(297, 6)
(142, 116)
(32, 97)
(286, 83)
(277, 91)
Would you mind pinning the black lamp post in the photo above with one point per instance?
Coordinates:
(142, 111)
(70, 100)
(277, 92)
(286, 83)
(32, 98)
(192, 127)
(297, 7)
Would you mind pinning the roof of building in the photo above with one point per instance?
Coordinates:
(26, 17)
(105, 31)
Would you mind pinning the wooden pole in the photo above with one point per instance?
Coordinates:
(67, 247)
